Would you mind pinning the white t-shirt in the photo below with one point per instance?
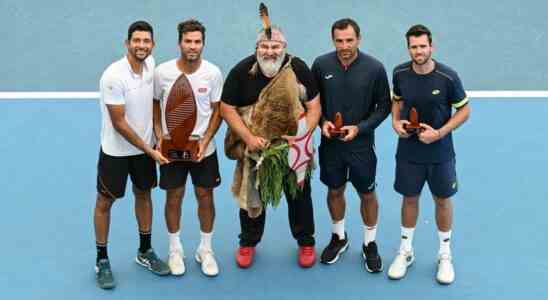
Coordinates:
(119, 85)
(207, 85)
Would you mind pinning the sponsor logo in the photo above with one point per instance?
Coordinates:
(328, 76)
(454, 186)
(202, 90)
(435, 92)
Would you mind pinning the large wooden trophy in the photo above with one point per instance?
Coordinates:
(414, 126)
(337, 132)
(180, 114)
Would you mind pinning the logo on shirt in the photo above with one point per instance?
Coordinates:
(329, 76)
(202, 90)
(435, 92)
(454, 186)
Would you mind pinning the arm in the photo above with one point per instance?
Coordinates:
(212, 128)
(157, 121)
(381, 97)
(430, 135)
(313, 112)
(118, 116)
(233, 119)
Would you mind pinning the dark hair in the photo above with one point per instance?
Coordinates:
(190, 26)
(418, 30)
(343, 24)
(139, 26)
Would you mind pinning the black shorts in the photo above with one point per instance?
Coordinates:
(112, 172)
(337, 167)
(441, 178)
(204, 173)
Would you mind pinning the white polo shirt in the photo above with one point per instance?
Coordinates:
(119, 85)
(207, 85)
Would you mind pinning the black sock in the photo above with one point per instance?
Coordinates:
(101, 251)
(144, 241)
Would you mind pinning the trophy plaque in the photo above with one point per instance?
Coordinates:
(413, 126)
(337, 132)
(180, 114)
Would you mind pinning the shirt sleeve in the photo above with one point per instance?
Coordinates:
(458, 96)
(158, 93)
(231, 88)
(396, 93)
(381, 99)
(216, 87)
(112, 91)
(305, 77)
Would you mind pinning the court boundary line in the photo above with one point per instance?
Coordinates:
(89, 95)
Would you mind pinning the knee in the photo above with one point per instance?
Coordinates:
(411, 201)
(103, 204)
(443, 203)
(141, 194)
(369, 197)
(205, 198)
(175, 196)
(334, 194)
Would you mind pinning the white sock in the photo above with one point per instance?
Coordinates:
(205, 240)
(174, 241)
(369, 234)
(407, 239)
(338, 228)
(445, 242)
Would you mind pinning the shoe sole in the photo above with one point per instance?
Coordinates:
(199, 261)
(367, 267)
(148, 267)
(334, 260)
(104, 286)
(408, 266)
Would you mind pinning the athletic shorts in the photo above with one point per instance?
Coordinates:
(357, 166)
(112, 173)
(204, 173)
(441, 178)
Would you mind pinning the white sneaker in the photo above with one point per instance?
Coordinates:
(176, 262)
(446, 273)
(207, 260)
(399, 266)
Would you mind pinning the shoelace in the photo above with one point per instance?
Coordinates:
(307, 250)
(245, 251)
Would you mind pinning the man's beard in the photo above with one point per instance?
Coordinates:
(425, 59)
(269, 66)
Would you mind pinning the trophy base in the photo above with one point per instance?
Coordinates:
(412, 129)
(337, 133)
(189, 152)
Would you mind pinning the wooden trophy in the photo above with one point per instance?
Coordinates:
(180, 114)
(414, 126)
(337, 132)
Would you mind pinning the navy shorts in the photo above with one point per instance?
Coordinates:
(204, 174)
(357, 166)
(441, 178)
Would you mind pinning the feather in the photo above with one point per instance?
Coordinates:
(263, 12)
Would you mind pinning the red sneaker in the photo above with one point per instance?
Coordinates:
(244, 256)
(307, 256)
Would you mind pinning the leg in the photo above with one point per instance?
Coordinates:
(336, 203)
(252, 229)
(444, 213)
(172, 209)
(369, 208)
(101, 218)
(409, 211)
(206, 208)
(143, 209)
(301, 215)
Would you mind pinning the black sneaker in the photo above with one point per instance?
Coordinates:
(373, 262)
(103, 275)
(336, 247)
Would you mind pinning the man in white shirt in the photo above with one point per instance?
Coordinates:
(126, 89)
(206, 82)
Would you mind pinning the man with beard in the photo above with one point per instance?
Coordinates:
(355, 85)
(206, 81)
(243, 88)
(431, 88)
(126, 148)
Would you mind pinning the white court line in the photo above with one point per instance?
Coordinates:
(95, 95)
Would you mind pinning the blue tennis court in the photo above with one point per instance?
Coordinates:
(50, 150)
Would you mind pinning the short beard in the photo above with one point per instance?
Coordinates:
(426, 59)
(271, 67)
